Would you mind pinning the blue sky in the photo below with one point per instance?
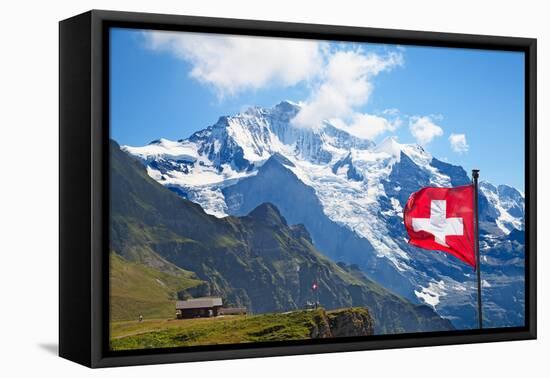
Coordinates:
(172, 84)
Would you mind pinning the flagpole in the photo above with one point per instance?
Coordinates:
(475, 176)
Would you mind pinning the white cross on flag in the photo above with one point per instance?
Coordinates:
(443, 219)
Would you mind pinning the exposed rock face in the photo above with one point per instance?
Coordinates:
(321, 328)
(347, 322)
(351, 322)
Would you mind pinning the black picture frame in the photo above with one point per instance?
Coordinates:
(84, 194)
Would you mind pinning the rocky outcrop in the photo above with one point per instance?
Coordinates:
(348, 322)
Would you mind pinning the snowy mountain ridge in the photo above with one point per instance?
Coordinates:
(359, 185)
(236, 146)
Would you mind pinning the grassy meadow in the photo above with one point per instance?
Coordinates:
(139, 290)
(230, 329)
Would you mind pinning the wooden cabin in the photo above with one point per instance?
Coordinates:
(204, 307)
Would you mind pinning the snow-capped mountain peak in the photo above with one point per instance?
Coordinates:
(249, 138)
(165, 149)
(508, 206)
(390, 146)
(393, 148)
(358, 188)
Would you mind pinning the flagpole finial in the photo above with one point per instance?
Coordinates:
(475, 173)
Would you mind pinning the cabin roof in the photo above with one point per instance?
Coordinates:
(199, 303)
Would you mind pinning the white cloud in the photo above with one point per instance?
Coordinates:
(366, 126)
(232, 64)
(423, 129)
(345, 85)
(391, 112)
(340, 80)
(458, 143)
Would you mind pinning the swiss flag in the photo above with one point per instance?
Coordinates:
(442, 219)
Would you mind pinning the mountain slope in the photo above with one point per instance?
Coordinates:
(299, 204)
(137, 289)
(257, 261)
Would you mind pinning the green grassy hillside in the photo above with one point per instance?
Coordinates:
(137, 289)
(296, 325)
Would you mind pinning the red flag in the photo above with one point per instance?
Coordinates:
(442, 219)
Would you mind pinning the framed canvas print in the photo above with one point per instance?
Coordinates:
(233, 188)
